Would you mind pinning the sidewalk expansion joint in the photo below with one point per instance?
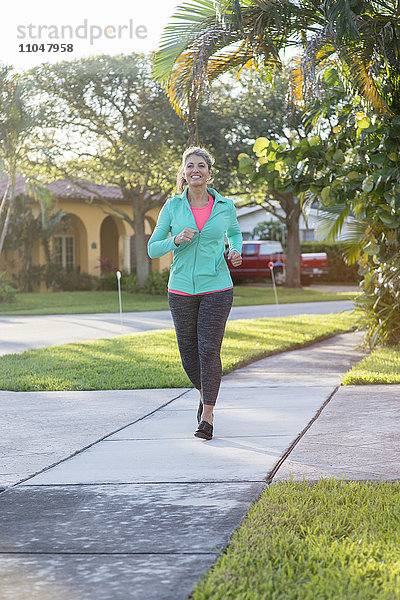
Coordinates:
(101, 439)
(286, 454)
(225, 437)
(116, 483)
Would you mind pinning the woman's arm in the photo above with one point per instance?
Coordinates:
(234, 234)
(159, 244)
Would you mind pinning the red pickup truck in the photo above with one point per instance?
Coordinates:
(257, 254)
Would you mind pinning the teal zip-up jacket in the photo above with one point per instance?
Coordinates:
(199, 265)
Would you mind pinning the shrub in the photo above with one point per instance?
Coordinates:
(380, 301)
(129, 283)
(157, 283)
(80, 282)
(108, 281)
(67, 280)
(7, 291)
(106, 266)
(338, 269)
(31, 278)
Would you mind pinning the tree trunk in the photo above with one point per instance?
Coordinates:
(4, 199)
(142, 258)
(292, 279)
(27, 285)
(7, 219)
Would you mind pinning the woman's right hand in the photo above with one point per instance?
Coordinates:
(184, 236)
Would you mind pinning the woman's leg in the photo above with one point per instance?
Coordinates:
(184, 311)
(213, 313)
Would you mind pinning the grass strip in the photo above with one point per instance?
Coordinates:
(151, 359)
(382, 366)
(57, 303)
(331, 540)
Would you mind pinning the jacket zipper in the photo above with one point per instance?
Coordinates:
(198, 240)
(194, 265)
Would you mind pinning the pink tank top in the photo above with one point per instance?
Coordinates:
(201, 214)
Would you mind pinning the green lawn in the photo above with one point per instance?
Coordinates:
(328, 541)
(382, 366)
(151, 359)
(105, 302)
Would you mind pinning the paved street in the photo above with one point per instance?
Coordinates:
(19, 333)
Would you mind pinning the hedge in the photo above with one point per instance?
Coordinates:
(338, 269)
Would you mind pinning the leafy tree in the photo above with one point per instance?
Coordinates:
(361, 180)
(18, 118)
(352, 170)
(235, 113)
(265, 108)
(287, 170)
(269, 230)
(108, 121)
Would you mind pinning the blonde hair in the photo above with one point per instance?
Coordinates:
(180, 178)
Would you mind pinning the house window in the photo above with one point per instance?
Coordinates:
(64, 251)
(308, 235)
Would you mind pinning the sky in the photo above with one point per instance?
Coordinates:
(110, 28)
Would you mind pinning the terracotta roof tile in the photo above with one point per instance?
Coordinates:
(20, 185)
(63, 188)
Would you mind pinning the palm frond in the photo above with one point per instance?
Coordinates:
(243, 55)
(358, 73)
(330, 222)
(39, 191)
(194, 34)
(353, 231)
(339, 13)
(191, 20)
(304, 76)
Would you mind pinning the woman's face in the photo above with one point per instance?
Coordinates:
(196, 171)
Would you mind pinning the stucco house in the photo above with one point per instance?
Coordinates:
(250, 216)
(92, 234)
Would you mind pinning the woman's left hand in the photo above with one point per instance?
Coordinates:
(235, 257)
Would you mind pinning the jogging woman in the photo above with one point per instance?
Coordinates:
(200, 289)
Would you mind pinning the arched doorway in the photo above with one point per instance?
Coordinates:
(70, 245)
(109, 244)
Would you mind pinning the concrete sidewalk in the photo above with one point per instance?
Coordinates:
(356, 437)
(145, 511)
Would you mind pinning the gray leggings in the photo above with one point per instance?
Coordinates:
(200, 325)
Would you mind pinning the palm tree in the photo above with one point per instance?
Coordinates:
(206, 38)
